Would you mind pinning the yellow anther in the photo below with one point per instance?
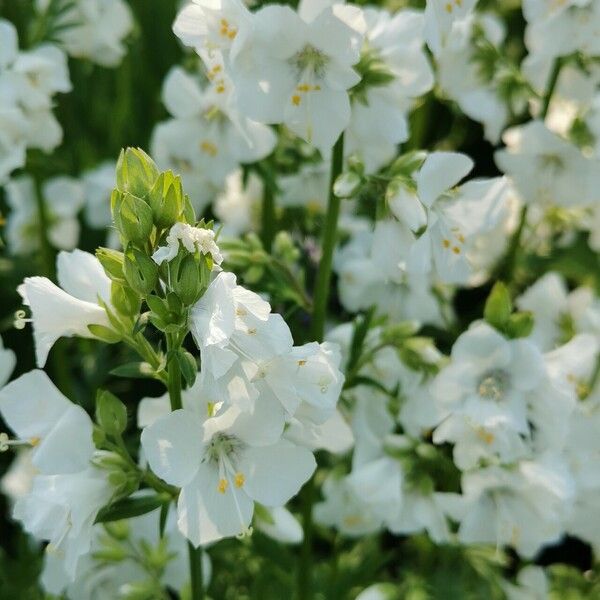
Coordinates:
(34, 441)
(461, 238)
(252, 331)
(446, 243)
(224, 23)
(209, 148)
(210, 409)
(486, 436)
(458, 2)
(352, 520)
(449, 7)
(456, 250)
(222, 487)
(232, 33)
(301, 363)
(241, 312)
(220, 88)
(239, 480)
(296, 100)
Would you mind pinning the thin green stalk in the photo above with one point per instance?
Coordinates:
(196, 581)
(268, 217)
(174, 374)
(321, 297)
(323, 281)
(510, 261)
(174, 388)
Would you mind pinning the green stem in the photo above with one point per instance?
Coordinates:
(510, 261)
(196, 581)
(550, 87)
(174, 388)
(174, 374)
(323, 281)
(268, 217)
(321, 297)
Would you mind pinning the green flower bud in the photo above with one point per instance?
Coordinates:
(132, 217)
(111, 413)
(112, 262)
(141, 272)
(136, 172)
(498, 306)
(166, 199)
(124, 299)
(188, 279)
(520, 324)
(347, 185)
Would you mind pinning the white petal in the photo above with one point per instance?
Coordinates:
(81, 275)
(32, 404)
(440, 172)
(206, 515)
(276, 473)
(173, 446)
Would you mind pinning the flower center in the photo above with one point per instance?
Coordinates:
(310, 59)
(223, 451)
(494, 385)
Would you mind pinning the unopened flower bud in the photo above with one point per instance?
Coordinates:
(347, 185)
(141, 272)
(132, 217)
(136, 172)
(166, 199)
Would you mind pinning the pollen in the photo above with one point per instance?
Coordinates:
(226, 30)
(209, 148)
(239, 480)
(296, 100)
(222, 486)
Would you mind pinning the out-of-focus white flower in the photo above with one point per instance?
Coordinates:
(207, 138)
(442, 18)
(67, 310)
(296, 69)
(309, 188)
(98, 183)
(63, 199)
(28, 82)
(379, 114)
(525, 506)
(547, 169)
(94, 29)
(17, 480)
(279, 524)
(238, 205)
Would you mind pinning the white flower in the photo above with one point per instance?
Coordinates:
(296, 69)
(59, 431)
(98, 184)
(454, 218)
(558, 313)
(379, 115)
(207, 138)
(67, 310)
(18, 479)
(442, 18)
(94, 29)
(224, 463)
(309, 188)
(524, 507)
(371, 272)
(61, 509)
(212, 25)
(63, 198)
(344, 510)
(7, 363)
(193, 239)
(547, 169)
(238, 205)
(486, 392)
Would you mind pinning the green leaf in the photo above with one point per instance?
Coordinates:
(498, 306)
(131, 507)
